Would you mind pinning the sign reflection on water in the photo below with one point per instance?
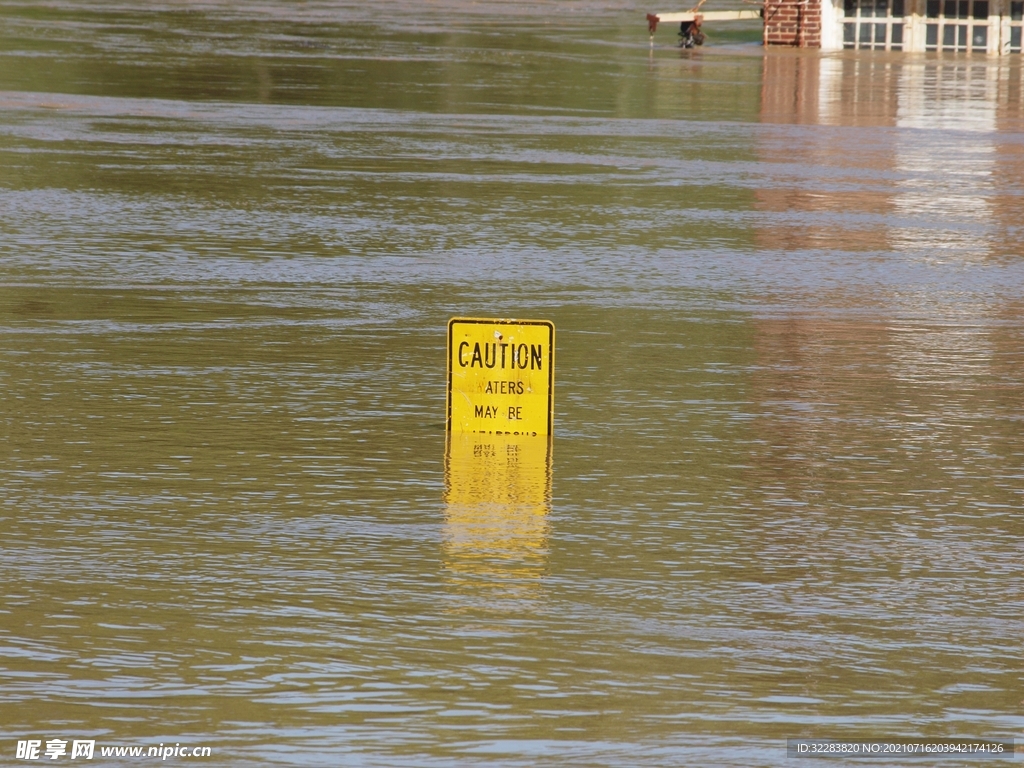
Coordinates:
(497, 502)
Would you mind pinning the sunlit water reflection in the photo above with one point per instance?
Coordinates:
(783, 497)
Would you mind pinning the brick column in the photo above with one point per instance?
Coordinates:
(795, 23)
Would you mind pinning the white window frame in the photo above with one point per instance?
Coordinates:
(859, 22)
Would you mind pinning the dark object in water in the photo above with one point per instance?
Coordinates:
(690, 34)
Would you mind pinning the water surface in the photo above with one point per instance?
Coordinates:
(784, 494)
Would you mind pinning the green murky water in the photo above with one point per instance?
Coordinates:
(784, 494)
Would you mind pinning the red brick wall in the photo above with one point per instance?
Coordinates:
(793, 23)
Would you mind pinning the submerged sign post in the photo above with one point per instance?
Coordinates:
(501, 376)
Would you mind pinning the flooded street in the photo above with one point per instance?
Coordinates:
(784, 494)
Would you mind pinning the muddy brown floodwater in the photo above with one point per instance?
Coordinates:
(784, 495)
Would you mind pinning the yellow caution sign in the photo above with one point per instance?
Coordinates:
(501, 376)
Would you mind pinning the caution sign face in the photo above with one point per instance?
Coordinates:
(501, 376)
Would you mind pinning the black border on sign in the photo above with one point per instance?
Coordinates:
(500, 321)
